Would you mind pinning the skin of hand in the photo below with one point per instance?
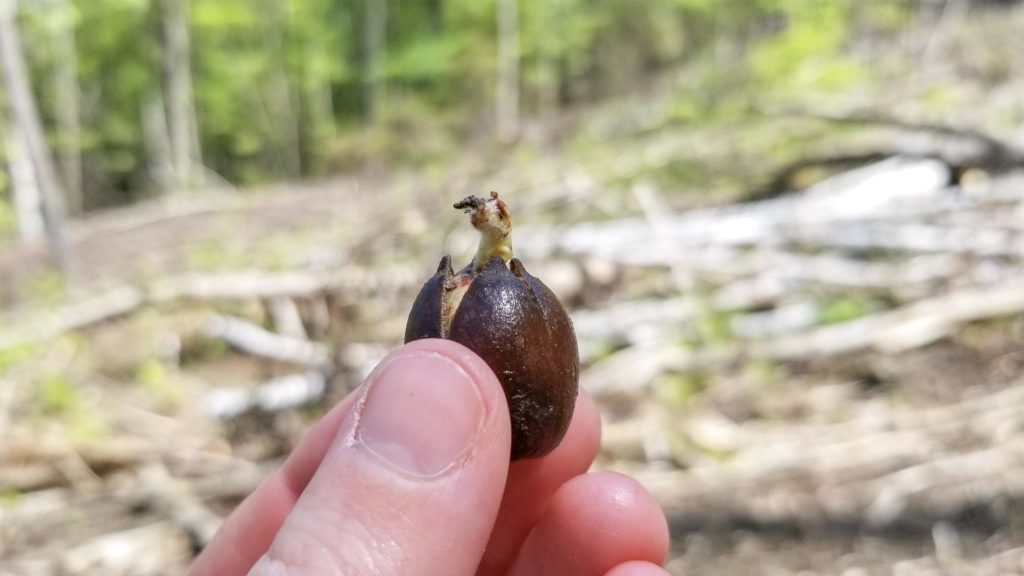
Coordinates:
(410, 475)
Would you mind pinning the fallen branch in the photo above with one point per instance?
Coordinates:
(783, 180)
(285, 317)
(176, 501)
(41, 327)
(894, 331)
(918, 495)
(994, 152)
(892, 187)
(147, 549)
(915, 469)
(257, 341)
(273, 395)
(31, 463)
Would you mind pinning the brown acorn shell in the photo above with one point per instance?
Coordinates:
(425, 316)
(520, 329)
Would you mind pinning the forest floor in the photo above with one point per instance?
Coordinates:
(829, 379)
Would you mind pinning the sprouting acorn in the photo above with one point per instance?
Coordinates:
(513, 322)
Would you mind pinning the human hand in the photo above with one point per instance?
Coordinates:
(410, 475)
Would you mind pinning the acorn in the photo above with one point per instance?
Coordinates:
(513, 322)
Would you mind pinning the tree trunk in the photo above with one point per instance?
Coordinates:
(28, 124)
(548, 87)
(373, 57)
(27, 200)
(280, 94)
(159, 161)
(69, 124)
(507, 97)
(181, 120)
(318, 101)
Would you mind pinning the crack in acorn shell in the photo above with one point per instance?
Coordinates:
(520, 329)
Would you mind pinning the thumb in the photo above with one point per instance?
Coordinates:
(412, 482)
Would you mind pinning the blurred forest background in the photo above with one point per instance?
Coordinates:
(791, 233)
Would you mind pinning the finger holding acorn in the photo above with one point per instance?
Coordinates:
(512, 321)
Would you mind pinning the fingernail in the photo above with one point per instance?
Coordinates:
(422, 412)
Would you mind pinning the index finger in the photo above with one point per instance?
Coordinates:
(531, 484)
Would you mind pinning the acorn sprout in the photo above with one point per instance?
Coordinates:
(513, 322)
